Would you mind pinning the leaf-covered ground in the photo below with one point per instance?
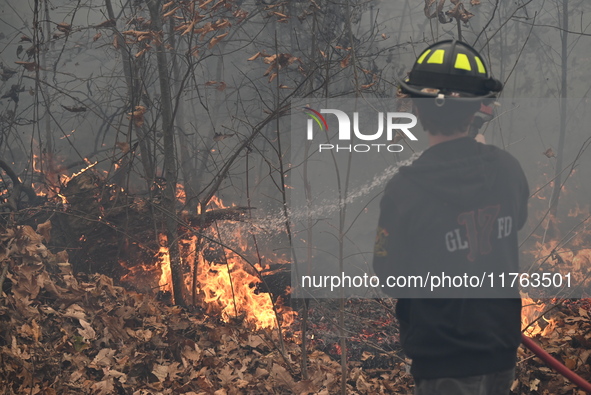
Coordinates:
(62, 333)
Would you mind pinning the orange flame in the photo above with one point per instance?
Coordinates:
(165, 281)
(231, 290)
(228, 285)
(531, 322)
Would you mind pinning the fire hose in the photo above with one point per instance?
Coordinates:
(555, 364)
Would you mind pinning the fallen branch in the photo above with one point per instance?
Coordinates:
(228, 214)
(18, 187)
(3, 276)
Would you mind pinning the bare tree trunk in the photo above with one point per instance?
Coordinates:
(50, 160)
(133, 95)
(563, 95)
(187, 170)
(308, 190)
(169, 201)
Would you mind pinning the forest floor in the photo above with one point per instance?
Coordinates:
(66, 333)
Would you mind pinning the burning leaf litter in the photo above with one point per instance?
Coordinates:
(72, 333)
(565, 333)
(66, 333)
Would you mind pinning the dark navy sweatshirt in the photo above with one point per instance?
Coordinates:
(457, 208)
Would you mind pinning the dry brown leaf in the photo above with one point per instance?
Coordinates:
(218, 4)
(75, 311)
(428, 13)
(97, 36)
(171, 12)
(272, 77)
(253, 57)
(123, 146)
(475, 2)
(221, 136)
(362, 385)
(140, 35)
(64, 27)
(366, 355)
(62, 256)
(164, 371)
(221, 23)
(549, 153)
(285, 59)
(31, 242)
(226, 375)
(44, 230)
(280, 374)
(107, 23)
(459, 12)
(36, 331)
(104, 387)
(270, 68)
(261, 373)
(305, 387)
(240, 15)
(74, 109)
(192, 353)
(221, 86)
(216, 40)
(202, 6)
(104, 358)
(188, 27)
(533, 385)
(165, 6)
(141, 53)
(87, 332)
(29, 66)
(137, 115)
(582, 359)
(269, 59)
(345, 62)
(203, 30)
(141, 334)
(30, 331)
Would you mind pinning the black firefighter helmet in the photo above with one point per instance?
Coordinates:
(450, 69)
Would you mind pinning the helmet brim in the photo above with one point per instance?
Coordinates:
(420, 92)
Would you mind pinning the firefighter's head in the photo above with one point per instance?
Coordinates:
(449, 81)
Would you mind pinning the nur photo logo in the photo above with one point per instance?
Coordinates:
(347, 130)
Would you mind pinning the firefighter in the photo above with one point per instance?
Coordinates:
(459, 205)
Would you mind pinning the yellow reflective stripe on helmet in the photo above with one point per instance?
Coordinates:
(423, 56)
(437, 57)
(462, 62)
(480, 65)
